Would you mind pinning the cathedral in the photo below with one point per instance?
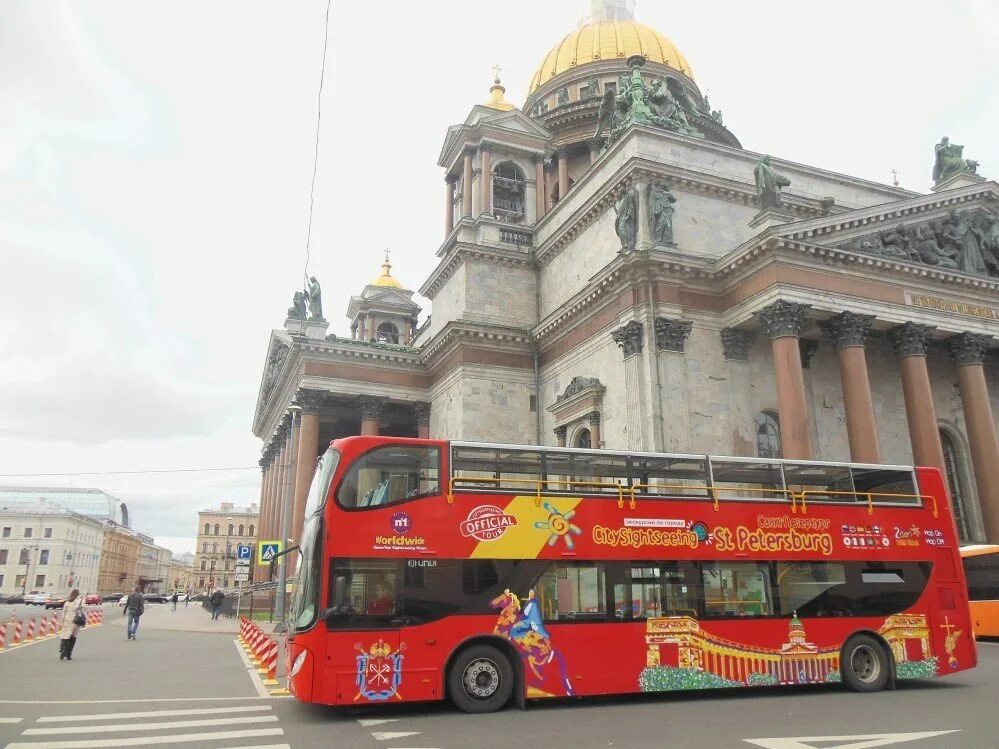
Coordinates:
(617, 272)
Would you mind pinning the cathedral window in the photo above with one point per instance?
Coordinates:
(956, 483)
(767, 435)
(583, 439)
(388, 333)
(509, 187)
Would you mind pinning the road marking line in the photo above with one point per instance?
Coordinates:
(864, 741)
(375, 721)
(240, 719)
(142, 740)
(387, 735)
(11, 720)
(251, 671)
(262, 746)
(153, 714)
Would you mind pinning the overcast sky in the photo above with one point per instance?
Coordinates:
(155, 162)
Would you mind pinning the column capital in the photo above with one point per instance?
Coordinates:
(629, 338)
(372, 407)
(671, 335)
(910, 339)
(421, 412)
(560, 433)
(847, 329)
(806, 349)
(593, 418)
(311, 400)
(469, 150)
(450, 179)
(968, 348)
(264, 462)
(562, 151)
(736, 343)
(783, 318)
(485, 145)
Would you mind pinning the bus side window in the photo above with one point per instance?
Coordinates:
(737, 589)
(572, 591)
(391, 474)
(645, 590)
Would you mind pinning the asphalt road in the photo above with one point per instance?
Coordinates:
(193, 689)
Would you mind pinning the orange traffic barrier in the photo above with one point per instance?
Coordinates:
(3, 635)
(31, 631)
(271, 664)
(17, 632)
(54, 626)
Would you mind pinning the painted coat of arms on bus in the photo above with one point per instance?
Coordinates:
(379, 671)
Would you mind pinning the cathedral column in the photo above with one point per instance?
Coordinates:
(308, 450)
(486, 175)
(783, 321)
(369, 328)
(466, 184)
(548, 186)
(421, 411)
(593, 419)
(968, 351)
(563, 173)
(849, 332)
(371, 413)
(560, 434)
(264, 508)
(539, 185)
(910, 342)
(449, 206)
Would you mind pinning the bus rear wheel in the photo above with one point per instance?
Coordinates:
(865, 664)
(480, 680)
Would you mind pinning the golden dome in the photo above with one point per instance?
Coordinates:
(385, 279)
(496, 100)
(608, 40)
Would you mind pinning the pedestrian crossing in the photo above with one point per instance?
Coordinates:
(254, 725)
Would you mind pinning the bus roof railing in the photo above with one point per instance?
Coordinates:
(540, 486)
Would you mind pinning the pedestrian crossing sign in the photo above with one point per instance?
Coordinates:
(267, 550)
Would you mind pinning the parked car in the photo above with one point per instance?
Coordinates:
(122, 600)
(154, 598)
(92, 600)
(15, 598)
(36, 598)
(110, 597)
(55, 602)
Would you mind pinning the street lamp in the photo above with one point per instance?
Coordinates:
(295, 411)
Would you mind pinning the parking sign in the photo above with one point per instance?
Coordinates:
(244, 551)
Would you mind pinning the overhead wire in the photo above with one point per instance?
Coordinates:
(315, 161)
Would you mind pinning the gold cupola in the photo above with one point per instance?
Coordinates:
(611, 34)
(496, 96)
(386, 279)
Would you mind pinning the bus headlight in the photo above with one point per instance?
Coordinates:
(299, 662)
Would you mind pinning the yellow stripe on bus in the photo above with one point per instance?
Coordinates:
(533, 530)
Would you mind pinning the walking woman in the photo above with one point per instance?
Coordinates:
(73, 620)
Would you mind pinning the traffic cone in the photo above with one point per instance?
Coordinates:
(260, 652)
(54, 626)
(100, 617)
(271, 665)
(3, 635)
(31, 631)
(17, 632)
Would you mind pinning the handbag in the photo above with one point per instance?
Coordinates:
(80, 620)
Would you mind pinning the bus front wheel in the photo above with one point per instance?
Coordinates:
(480, 680)
(865, 664)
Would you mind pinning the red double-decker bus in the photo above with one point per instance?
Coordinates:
(489, 573)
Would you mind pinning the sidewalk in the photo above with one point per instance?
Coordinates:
(191, 618)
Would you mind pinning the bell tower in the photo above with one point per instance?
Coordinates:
(385, 311)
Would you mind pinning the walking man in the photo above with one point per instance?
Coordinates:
(135, 604)
(173, 599)
(216, 602)
(187, 598)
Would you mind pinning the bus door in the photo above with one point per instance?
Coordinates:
(951, 610)
(364, 654)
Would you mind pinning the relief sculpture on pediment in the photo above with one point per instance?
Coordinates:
(965, 241)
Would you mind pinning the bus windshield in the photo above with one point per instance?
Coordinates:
(305, 603)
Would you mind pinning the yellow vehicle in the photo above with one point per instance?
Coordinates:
(981, 568)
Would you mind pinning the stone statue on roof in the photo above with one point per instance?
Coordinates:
(315, 297)
(769, 184)
(949, 160)
(660, 202)
(297, 309)
(626, 223)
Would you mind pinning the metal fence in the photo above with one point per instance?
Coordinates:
(256, 601)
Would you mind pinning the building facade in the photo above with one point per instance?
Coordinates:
(92, 503)
(220, 531)
(49, 549)
(119, 566)
(153, 566)
(617, 271)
